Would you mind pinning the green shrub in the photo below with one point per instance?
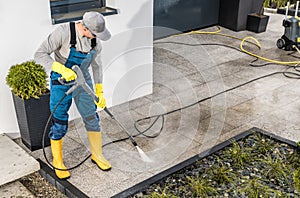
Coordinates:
(27, 80)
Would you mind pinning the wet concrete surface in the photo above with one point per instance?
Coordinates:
(183, 75)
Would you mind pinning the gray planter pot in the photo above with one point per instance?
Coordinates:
(257, 23)
(32, 116)
(234, 13)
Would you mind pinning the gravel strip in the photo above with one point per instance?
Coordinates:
(40, 187)
(255, 166)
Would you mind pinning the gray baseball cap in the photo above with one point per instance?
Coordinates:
(94, 21)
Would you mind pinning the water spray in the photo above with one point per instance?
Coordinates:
(141, 152)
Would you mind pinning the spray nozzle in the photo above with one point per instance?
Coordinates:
(132, 141)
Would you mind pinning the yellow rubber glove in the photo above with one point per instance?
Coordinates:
(66, 73)
(99, 93)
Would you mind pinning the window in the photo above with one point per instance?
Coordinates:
(71, 10)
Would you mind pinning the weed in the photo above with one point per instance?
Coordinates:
(275, 169)
(220, 173)
(262, 146)
(201, 187)
(239, 155)
(163, 194)
(254, 189)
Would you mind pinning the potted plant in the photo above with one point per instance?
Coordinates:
(257, 22)
(28, 83)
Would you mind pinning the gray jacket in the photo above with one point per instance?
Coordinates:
(58, 44)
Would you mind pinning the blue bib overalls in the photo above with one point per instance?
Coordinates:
(84, 102)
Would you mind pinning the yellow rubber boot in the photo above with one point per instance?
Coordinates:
(56, 147)
(95, 139)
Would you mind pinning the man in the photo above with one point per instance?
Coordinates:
(75, 44)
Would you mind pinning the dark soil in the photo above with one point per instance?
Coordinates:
(40, 187)
(255, 166)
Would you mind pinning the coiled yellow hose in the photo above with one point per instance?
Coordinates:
(246, 39)
(263, 58)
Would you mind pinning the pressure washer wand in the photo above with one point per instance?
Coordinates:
(141, 152)
(91, 93)
(122, 127)
(80, 81)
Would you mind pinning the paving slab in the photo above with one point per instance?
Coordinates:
(15, 162)
(15, 189)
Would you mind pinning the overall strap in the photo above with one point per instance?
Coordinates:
(73, 37)
(73, 34)
(93, 43)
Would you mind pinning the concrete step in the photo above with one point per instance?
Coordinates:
(15, 161)
(15, 189)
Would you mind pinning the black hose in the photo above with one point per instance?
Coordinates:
(286, 73)
(202, 100)
(44, 135)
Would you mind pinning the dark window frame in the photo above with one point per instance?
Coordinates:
(72, 10)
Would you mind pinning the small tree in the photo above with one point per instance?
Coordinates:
(27, 80)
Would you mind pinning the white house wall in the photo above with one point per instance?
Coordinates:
(127, 57)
